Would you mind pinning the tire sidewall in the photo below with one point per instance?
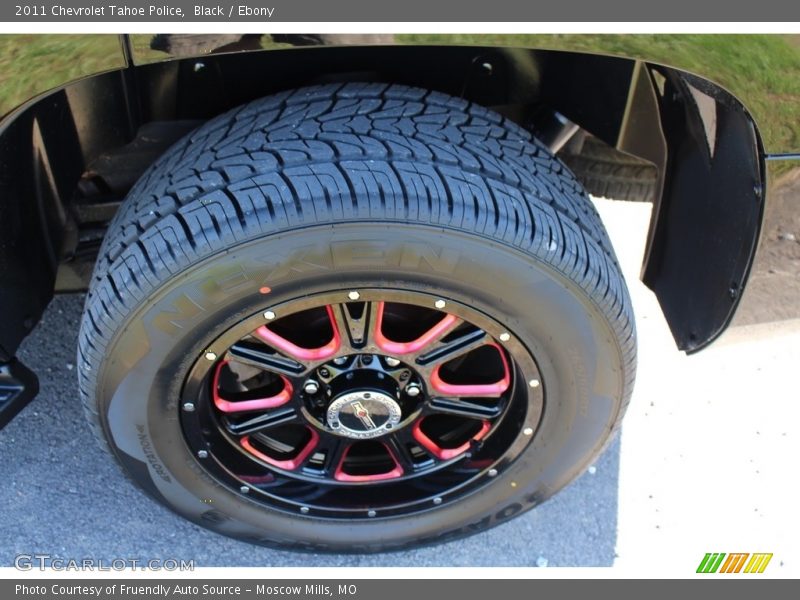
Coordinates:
(139, 382)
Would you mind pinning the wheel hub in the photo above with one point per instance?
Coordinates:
(362, 396)
(363, 414)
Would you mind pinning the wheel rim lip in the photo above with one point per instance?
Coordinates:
(520, 375)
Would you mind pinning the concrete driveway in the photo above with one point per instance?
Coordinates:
(704, 464)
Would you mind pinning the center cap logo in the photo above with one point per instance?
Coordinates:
(363, 414)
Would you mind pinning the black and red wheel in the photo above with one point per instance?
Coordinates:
(353, 318)
(353, 404)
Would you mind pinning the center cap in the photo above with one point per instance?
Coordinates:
(363, 414)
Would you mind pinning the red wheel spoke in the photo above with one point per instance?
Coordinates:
(435, 333)
(290, 464)
(342, 475)
(304, 354)
(490, 390)
(235, 406)
(446, 453)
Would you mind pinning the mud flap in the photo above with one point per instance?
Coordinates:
(709, 218)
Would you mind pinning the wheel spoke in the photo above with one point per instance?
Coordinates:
(289, 464)
(433, 447)
(463, 408)
(444, 326)
(274, 363)
(354, 331)
(335, 449)
(299, 353)
(397, 443)
(441, 352)
(495, 389)
(267, 420)
(226, 405)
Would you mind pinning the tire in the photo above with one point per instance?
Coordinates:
(606, 172)
(365, 191)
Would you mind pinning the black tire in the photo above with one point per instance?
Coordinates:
(334, 187)
(608, 173)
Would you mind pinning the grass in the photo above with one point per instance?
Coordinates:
(762, 70)
(32, 64)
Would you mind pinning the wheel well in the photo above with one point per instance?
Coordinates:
(69, 157)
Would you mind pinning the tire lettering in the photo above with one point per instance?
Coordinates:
(217, 287)
(150, 455)
(366, 253)
(414, 255)
(170, 321)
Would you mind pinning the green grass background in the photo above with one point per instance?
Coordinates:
(762, 70)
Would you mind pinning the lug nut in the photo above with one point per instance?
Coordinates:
(340, 361)
(323, 372)
(413, 390)
(311, 387)
(391, 361)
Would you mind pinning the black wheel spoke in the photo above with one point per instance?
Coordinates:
(335, 449)
(274, 363)
(441, 352)
(464, 408)
(398, 444)
(355, 330)
(272, 418)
